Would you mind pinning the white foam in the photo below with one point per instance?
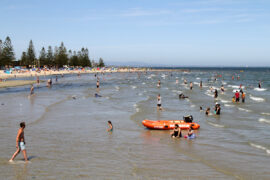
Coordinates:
(260, 147)
(192, 105)
(258, 99)
(228, 105)
(137, 110)
(216, 125)
(260, 89)
(134, 87)
(224, 101)
(264, 120)
(198, 78)
(140, 94)
(242, 109)
(196, 83)
(143, 83)
(135, 105)
(263, 113)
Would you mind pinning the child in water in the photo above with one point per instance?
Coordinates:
(110, 129)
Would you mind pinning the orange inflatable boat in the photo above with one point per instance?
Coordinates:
(169, 124)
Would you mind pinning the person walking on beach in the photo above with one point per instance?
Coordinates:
(159, 102)
(20, 143)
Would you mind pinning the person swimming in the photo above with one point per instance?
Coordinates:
(190, 134)
(110, 129)
(259, 84)
(97, 95)
(182, 96)
(176, 132)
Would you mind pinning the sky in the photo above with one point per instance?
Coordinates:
(155, 32)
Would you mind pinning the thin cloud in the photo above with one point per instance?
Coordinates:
(140, 12)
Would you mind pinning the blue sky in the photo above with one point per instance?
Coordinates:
(169, 32)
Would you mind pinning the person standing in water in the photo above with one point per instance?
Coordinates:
(216, 93)
(190, 85)
(237, 96)
(97, 83)
(32, 90)
(20, 143)
(260, 84)
(159, 102)
(158, 84)
(200, 84)
(110, 129)
(222, 88)
(243, 97)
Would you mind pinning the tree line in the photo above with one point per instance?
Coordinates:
(51, 58)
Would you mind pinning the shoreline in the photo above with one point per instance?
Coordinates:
(6, 82)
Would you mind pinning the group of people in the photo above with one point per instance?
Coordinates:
(236, 97)
(177, 132)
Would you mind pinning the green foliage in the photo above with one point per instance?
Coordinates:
(23, 59)
(31, 55)
(101, 62)
(57, 58)
(42, 57)
(7, 53)
(61, 56)
(50, 57)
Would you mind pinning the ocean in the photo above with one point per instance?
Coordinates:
(66, 125)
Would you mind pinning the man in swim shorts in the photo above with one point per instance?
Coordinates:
(20, 143)
(159, 102)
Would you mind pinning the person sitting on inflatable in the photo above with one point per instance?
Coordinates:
(176, 132)
(190, 134)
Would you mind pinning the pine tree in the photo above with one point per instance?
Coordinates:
(42, 57)
(101, 63)
(7, 53)
(23, 59)
(50, 57)
(61, 57)
(31, 55)
(84, 58)
(74, 61)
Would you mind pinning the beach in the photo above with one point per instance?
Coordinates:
(66, 126)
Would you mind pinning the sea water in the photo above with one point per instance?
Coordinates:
(66, 124)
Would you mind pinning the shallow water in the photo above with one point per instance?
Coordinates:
(66, 126)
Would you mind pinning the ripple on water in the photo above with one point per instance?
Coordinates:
(260, 147)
